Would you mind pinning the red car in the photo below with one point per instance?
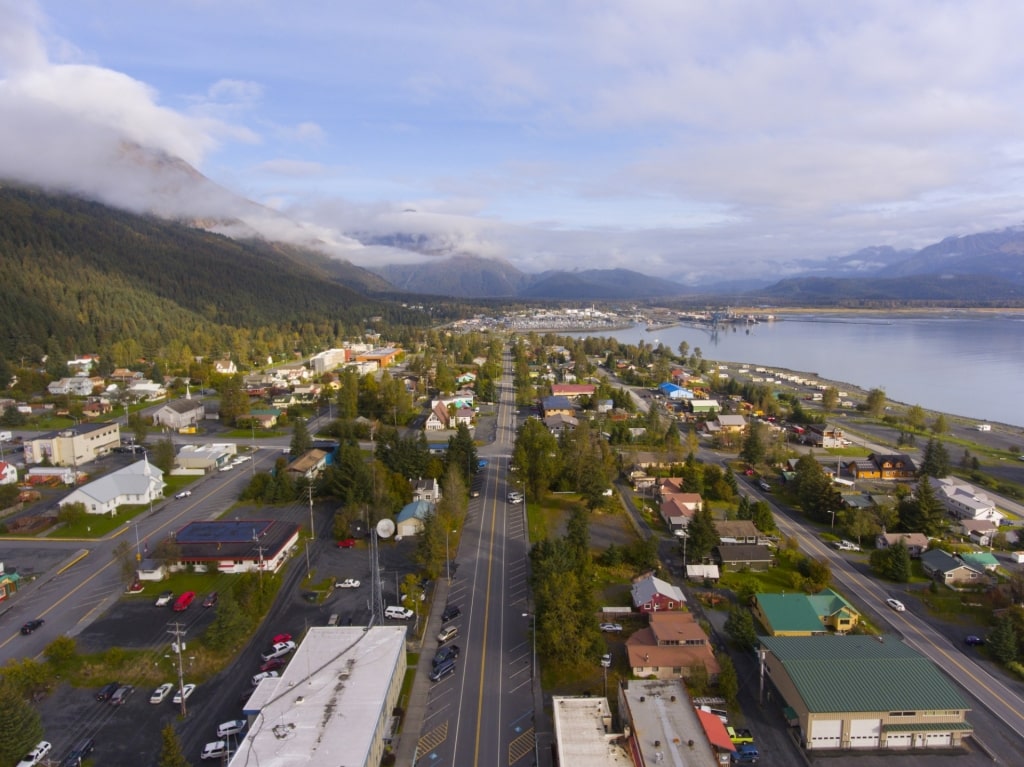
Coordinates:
(184, 601)
(281, 638)
(274, 664)
(346, 543)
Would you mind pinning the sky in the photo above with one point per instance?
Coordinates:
(686, 139)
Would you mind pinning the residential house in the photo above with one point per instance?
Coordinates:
(237, 546)
(573, 391)
(979, 531)
(641, 480)
(556, 406)
(180, 414)
(736, 531)
(701, 572)
(76, 386)
(796, 614)
(124, 375)
(463, 416)
(964, 501)
(262, 418)
(412, 518)
(309, 465)
(824, 435)
(671, 647)
(144, 390)
(894, 466)
(437, 418)
(425, 490)
(651, 594)
(8, 473)
(557, 424)
(137, 484)
(466, 379)
(74, 445)
(678, 509)
(224, 367)
(841, 705)
(949, 570)
(916, 543)
(604, 405)
(980, 560)
(726, 424)
(743, 556)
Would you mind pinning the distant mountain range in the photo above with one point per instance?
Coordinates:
(986, 267)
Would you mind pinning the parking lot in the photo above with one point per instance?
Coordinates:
(130, 734)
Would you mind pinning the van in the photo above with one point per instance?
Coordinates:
(447, 634)
(443, 670)
(227, 729)
(333, 620)
(397, 612)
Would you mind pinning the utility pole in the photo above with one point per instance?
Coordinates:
(259, 549)
(178, 645)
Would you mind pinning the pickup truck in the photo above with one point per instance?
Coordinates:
(740, 735)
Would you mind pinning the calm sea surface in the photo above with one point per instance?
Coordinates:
(969, 365)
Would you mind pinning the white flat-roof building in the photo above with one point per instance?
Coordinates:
(333, 703)
(584, 735)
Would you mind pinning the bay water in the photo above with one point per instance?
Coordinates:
(967, 364)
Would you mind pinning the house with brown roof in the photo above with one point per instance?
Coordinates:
(309, 465)
(573, 391)
(437, 418)
(916, 543)
(672, 646)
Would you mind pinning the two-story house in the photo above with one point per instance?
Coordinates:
(671, 647)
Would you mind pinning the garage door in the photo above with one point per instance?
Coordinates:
(865, 733)
(826, 733)
(935, 739)
(898, 740)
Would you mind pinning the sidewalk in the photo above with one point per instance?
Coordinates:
(416, 706)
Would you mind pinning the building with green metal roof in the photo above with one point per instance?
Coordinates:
(851, 692)
(796, 614)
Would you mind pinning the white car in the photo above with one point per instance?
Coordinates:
(36, 755)
(242, 458)
(895, 604)
(184, 693)
(160, 693)
(348, 583)
(226, 467)
(263, 675)
(279, 650)
(227, 729)
(515, 498)
(183, 494)
(214, 750)
(613, 627)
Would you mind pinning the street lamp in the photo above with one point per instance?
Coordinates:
(829, 511)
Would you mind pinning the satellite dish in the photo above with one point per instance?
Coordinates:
(385, 528)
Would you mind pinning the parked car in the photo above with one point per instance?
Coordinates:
(349, 583)
(214, 750)
(257, 678)
(282, 637)
(184, 601)
(160, 693)
(32, 625)
(895, 604)
(346, 543)
(442, 670)
(227, 729)
(184, 693)
(273, 664)
(450, 652)
(36, 755)
(183, 494)
(474, 493)
(78, 754)
(164, 598)
(450, 613)
(398, 613)
(447, 634)
(106, 691)
(613, 627)
(739, 735)
(279, 650)
(746, 753)
(120, 696)
(211, 599)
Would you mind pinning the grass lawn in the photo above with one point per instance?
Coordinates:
(99, 525)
